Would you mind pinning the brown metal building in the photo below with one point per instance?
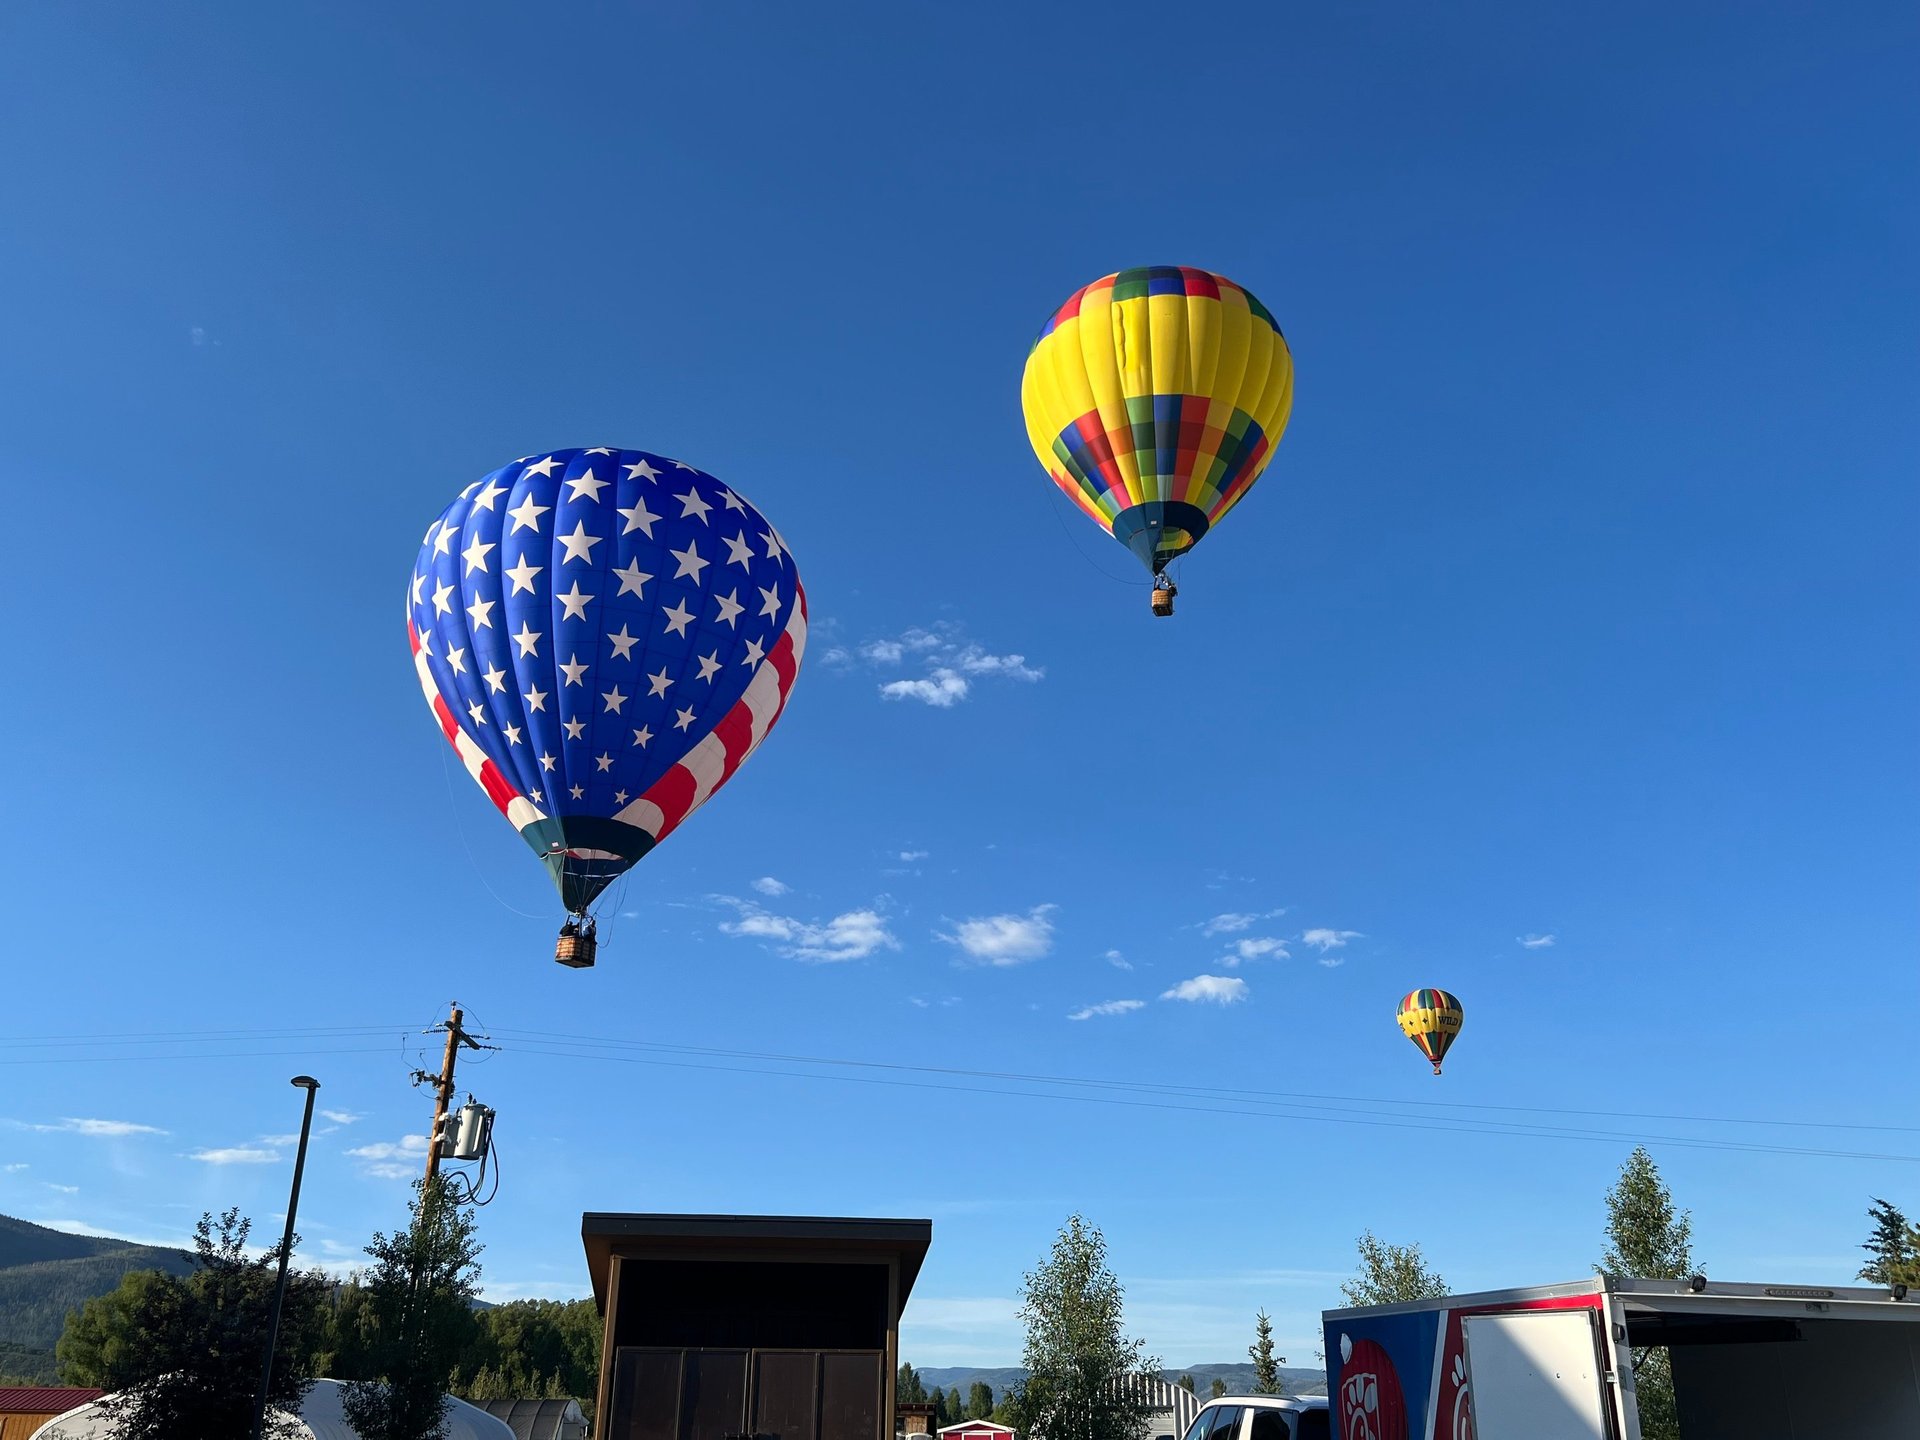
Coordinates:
(780, 1327)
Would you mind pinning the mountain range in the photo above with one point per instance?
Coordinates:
(46, 1273)
(1238, 1378)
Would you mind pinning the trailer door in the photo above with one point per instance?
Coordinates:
(1535, 1375)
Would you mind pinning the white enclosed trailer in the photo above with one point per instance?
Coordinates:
(1750, 1362)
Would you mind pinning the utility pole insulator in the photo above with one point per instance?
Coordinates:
(443, 1087)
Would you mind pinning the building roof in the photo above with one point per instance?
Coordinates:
(320, 1415)
(43, 1399)
(537, 1419)
(602, 1233)
(993, 1425)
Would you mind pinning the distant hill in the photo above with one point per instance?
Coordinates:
(46, 1273)
(1238, 1378)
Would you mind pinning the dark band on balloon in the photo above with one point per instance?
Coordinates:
(1145, 530)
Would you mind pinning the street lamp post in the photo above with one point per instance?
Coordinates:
(310, 1085)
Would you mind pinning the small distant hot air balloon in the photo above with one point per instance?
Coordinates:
(603, 636)
(1431, 1019)
(1154, 398)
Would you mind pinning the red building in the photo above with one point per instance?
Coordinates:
(977, 1430)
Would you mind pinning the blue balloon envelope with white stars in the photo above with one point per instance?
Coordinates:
(603, 636)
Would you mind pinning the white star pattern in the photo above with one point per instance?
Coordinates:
(740, 553)
(479, 714)
(484, 500)
(774, 548)
(443, 542)
(690, 562)
(512, 732)
(589, 485)
(546, 763)
(522, 577)
(576, 728)
(597, 450)
(482, 613)
(526, 516)
(731, 500)
(544, 469)
(601, 763)
(576, 792)
(418, 581)
(638, 517)
(457, 660)
(709, 665)
(573, 670)
(619, 797)
(730, 607)
(631, 578)
(641, 470)
(496, 679)
(657, 684)
(678, 618)
(683, 718)
(614, 701)
(536, 698)
(692, 504)
(769, 600)
(476, 556)
(623, 644)
(440, 594)
(575, 601)
(528, 640)
(579, 545)
(642, 736)
(755, 654)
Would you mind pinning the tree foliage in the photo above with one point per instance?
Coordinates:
(1266, 1369)
(1078, 1357)
(547, 1349)
(1893, 1249)
(1218, 1388)
(417, 1319)
(908, 1386)
(1391, 1274)
(1649, 1240)
(979, 1401)
(1186, 1383)
(184, 1353)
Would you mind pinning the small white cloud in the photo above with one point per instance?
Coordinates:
(1256, 947)
(1325, 940)
(279, 1140)
(943, 690)
(1209, 989)
(1005, 939)
(63, 1189)
(1233, 922)
(391, 1149)
(341, 1117)
(1333, 962)
(391, 1170)
(235, 1155)
(838, 655)
(1535, 942)
(199, 337)
(111, 1129)
(916, 1002)
(883, 652)
(17, 1167)
(1108, 1007)
(975, 661)
(1117, 960)
(854, 935)
(909, 856)
(767, 885)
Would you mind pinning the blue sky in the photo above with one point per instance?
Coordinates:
(1577, 604)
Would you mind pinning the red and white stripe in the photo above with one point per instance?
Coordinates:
(711, 763)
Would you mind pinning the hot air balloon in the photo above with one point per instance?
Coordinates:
(1154, 398)
(1431, 1019)
(603, 636)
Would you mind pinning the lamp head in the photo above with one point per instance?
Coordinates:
(305, 1082)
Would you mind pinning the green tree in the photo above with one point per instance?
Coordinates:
(1648, 1240)
(1218, 1388)
(1266, 1369)
(1186, 1383)
(1391, 1274)
(1893, 1249)
(184, 1353)
(1077, 1354)
(979, 1401)
(909, 1387)
(420, 1307)
(533, 1349)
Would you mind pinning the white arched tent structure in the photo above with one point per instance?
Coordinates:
(321, 1418)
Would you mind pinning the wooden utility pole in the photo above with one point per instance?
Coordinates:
(443, 1085)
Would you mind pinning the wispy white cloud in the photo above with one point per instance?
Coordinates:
(108, 1129)
(1535, 942)
(235, 1155)
(1333, 962)
(852, 935)
(1005, 939)
(952, 663)
(1209, 990)
(63, 1189)
(1256, 947)
(16, 1167)
(909, 856)
(1106, 1007)
(1117, 960)
(279, 1140)
(1325, 940)
(385, 1159)
(767, 885)
(341, 1117)
(1235, 921)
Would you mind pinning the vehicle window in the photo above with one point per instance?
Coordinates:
(1268, 1425)
(1198, 1429)
(1225, 1421)
(1311, 1425)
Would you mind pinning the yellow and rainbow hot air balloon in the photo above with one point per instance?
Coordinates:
(1154, 398)
(1431, 1020)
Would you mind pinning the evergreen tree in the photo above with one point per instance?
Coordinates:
(1186, 1383)
(1893, 1250)
(979, 1401)
(1391, 1274)
(1218, 1388)
(1266, 1370)
(1647, 1240)
(908, 1385)
(184, 1354)
(1077, 1355)
(420, 1312)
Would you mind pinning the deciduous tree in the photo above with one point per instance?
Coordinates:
(1391, 1275)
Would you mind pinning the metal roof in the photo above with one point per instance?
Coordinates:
(43, 1399)
(538, 1419)
(603, 1233)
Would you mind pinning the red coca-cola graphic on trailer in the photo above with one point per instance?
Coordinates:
(1371, 1405)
